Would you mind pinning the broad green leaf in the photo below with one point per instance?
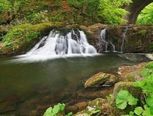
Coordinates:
(122, 105)
(138, 110)
(132, 101)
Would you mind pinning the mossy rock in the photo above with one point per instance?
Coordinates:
(96, 107)
(22, 37)
(101, 79)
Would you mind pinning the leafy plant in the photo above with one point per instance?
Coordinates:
(57, 110)
(146, 15)
(145, 105)
(111, 11)
(124, 98)
(93, 110)
(5, 5)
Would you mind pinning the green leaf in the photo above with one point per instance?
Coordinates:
(48, 112)
(122, 105)
(123, 94)
(138, 110)
(69, 114)
(132, 101)
(59, 108)
(149, 101)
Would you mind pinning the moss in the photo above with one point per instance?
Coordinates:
(21, 37)
(5, 11)
(142, 32)
(150, 46)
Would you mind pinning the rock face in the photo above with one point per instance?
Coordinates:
(131, 73)
(98, 107)
(101, 79)
(136, 38)
(128, 39)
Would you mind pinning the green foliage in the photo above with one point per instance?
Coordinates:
(144, 108)
(5, 5)
(93, 111)
(111, 11)
(138, 110)
(124, 98)
(85, 9)
(20, 36)
(146, 84)
(57, 110)
(24, 32)
(146, 15)
(37, 17)
(79, 11)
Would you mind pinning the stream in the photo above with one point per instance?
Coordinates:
(25, 87)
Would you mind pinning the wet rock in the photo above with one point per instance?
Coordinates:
(136, 57)
(101, 79)
(77, 107)
(98, 107)
(94, 93)
(131, 73)
(138, 39)
(8, 104)
(149, 56)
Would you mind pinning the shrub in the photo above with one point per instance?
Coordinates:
(111, 11)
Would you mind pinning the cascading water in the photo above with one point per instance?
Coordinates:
(105, 44)
(124, 38)
(102, 41)
(74, 43)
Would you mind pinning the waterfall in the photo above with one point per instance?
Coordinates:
(58, 45)
(106, 44)
(102, 41)
(124, 38)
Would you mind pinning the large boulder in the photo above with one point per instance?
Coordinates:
(101, 79)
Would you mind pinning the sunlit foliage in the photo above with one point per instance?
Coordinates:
(146, 15)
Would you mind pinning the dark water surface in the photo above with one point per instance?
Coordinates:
(47, 80)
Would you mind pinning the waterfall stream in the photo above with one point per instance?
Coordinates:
(74, 43)
(106, 44)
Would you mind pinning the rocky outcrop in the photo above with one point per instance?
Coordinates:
(137, 39)
(101, 79)
(133, 39)
(127, 39)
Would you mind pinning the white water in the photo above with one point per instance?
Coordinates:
(56, 45)
(103, 40)
(106, 44)
(124, 38)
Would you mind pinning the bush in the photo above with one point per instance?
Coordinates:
(21, 36)
(56, 110)
(145, 104)
(111, 11)
(5, 6)
(146, 15)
